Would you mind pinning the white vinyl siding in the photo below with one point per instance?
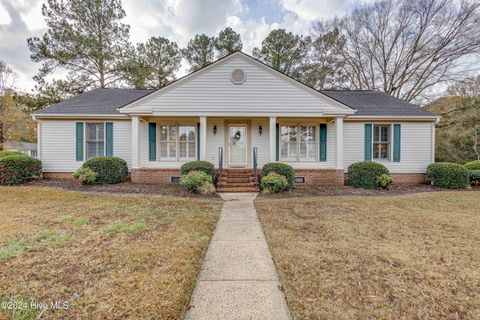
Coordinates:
(416, 146)
(213, 91)
(58, 137)
(215, 141)
(261, 141)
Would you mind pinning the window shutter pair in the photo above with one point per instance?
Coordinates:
(396, 142)
(80, 129)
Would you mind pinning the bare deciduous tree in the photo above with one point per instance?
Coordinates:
(405, 47)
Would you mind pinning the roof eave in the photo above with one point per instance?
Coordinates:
(77, 116)
(396, 117)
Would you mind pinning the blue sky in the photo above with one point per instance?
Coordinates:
(178, 20)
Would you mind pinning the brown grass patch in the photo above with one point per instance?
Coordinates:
(145, 268)
(390, 257)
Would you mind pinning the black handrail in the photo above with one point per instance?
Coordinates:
(255, 164)
(220, 163)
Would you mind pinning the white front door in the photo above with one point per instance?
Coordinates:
(238, 145)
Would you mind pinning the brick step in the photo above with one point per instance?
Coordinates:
(236, 184)
(237, 189)
(236, 175)
(237, 179)
(237, 171)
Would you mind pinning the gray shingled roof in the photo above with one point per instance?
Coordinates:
(96, 101)
(107, 101)
(376, 103)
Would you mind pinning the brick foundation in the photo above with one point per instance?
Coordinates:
(404, 178)
(321, 177)
(408, 178)
(57, 175)
(313, 177)
(154, 176)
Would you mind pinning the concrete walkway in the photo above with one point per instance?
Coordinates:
(238, 279)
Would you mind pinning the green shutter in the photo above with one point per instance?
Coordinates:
(198, 141)
(323, 142)
(152, 141)
(396, 142)
(79, 136)
(368, 142)
(109, 139)
(277, 144)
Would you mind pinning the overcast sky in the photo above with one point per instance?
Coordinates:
(177, 20)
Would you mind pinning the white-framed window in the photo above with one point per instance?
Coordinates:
(381, 142)
(95, 139)
(178, 142)
(298, 143)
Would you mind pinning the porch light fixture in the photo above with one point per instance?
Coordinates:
(260, 130)
(214, 130)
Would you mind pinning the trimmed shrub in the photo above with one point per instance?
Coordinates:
(474, 176)
(274, 183)
(279, 168)
(472, 165)
(207, 188)
(198, 165)
(365, 174)
(18, 169)
(109, 170)
(448, 175)
(384, 181)
(86, 176)
(11, 153)
(198, 182)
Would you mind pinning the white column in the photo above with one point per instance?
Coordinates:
(339, 142)
(203, 138)
(273, 138)
(135, 141)
(39, 140)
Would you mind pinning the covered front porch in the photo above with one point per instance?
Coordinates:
(160, 145)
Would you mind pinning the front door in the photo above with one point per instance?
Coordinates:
(238, 145)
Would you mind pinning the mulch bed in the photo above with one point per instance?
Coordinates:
(350, 191)
(120, 188)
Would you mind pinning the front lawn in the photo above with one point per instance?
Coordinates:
(105, 256)
(379, 257)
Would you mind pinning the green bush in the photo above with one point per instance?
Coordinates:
(365, 174)
(86, 176)
(18, 169)
(384, 181)
(448, 175)
(274, 183)
(11, 153)
(472, 165)
(108, 169)
(474, 176)
(279, 168)
(197, 182)
(198, 165)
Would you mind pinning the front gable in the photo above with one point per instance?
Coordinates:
(211, 92)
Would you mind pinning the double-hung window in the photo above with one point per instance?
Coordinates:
(178, 142)
(95, 139)
(381, 142)
(298, 143)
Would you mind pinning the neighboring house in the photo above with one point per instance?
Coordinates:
(229, 108)
(23, 147)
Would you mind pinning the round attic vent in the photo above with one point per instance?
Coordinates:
(238, 76)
